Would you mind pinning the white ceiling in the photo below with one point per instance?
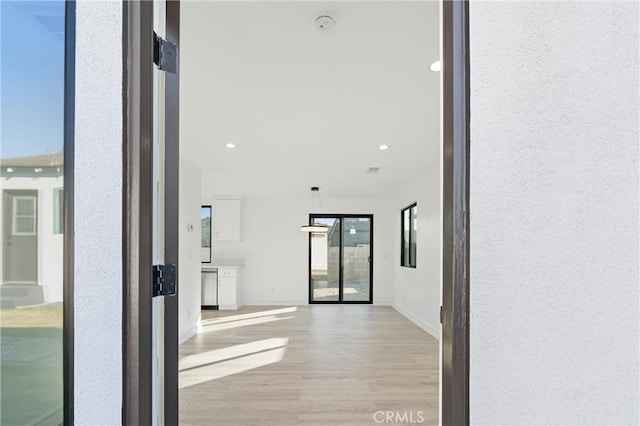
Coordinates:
(307, 108)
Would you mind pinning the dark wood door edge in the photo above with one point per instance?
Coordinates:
(455, 292)
(137, 212)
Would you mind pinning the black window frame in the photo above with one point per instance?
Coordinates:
(210, 207)
(68, 212)
(404, 261)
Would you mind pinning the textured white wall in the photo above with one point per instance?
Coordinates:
(276, 252)
(554, 213)
(189, 249)
(416, 291)
(98, 214)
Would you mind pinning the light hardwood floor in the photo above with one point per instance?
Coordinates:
(308, 365)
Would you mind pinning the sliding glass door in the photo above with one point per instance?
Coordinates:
(341, 260)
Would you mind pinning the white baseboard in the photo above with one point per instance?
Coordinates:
(435, 332)
(274, 302)
(187, 335)
(382, 303)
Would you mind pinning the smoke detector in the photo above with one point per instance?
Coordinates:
(324, 23)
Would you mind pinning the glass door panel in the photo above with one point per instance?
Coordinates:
(32, 35)
(340, 260)
(356, 248)
(325, 261)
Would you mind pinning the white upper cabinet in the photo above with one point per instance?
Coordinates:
(227, 217)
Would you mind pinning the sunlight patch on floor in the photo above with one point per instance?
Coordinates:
(218, 363)
(228, 318)
(235, 351)
(240, 323)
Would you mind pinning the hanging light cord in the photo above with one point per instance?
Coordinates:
(320, 201)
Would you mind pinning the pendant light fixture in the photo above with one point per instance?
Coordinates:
(314, 228)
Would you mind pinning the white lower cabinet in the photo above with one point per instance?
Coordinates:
(227, 288)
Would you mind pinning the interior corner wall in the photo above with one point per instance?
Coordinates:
(189, 279)
(276, 252)
(98, 214)
(416, 291)
(554, 213)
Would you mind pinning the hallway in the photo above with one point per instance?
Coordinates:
(308, 365)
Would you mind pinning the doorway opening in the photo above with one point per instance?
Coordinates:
(341, 259)
(236, 172)
(345, 97)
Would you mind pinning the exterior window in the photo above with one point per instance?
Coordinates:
(205, 217)
(24, 216)
(58, 215)
(409, 236)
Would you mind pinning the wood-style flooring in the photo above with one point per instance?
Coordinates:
(308, 365)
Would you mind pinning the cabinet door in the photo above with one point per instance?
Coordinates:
(227, 217)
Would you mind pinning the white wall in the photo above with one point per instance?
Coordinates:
(189, 249)
(554, 213)
(98, 214)
(416, 291)
(276, 252)
(50, 245)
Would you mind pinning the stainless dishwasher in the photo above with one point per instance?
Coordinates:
(209, 288)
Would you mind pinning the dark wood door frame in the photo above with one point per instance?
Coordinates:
(138, 208)
(171, 226)
(137, 43)
(137, 212)
(455, 280)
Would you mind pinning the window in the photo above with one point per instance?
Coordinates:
(24, 216)
(35, 105)
(205, 217)
(409, 236)
(58, 216)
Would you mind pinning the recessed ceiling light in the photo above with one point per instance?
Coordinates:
(436, 66)
(230, 145)
(383, 147)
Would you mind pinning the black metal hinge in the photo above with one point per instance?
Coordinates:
(441, 316)
(165, 280)
(165, 54)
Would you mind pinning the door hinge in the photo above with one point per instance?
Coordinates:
(441, 316)
(165, 280)
(165, 54)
